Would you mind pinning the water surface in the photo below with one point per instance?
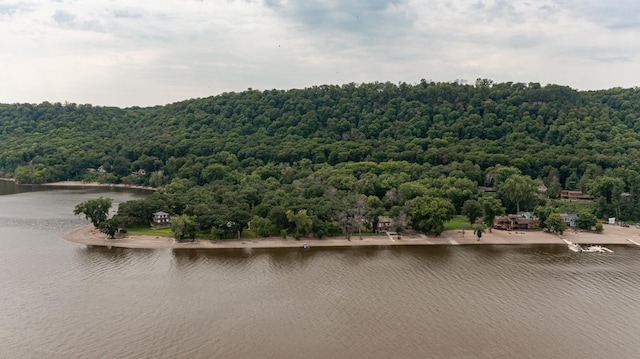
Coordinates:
(63, 300)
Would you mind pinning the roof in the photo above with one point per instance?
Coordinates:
(160, 213)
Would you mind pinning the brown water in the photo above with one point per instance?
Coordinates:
(62, 300)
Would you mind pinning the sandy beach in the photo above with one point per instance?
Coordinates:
(89, 235)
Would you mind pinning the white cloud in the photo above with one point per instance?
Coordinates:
(114, 52)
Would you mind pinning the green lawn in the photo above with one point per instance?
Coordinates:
(458, 222)
(166, 232)
(148, 231)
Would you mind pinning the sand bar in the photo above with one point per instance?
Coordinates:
(89, 235)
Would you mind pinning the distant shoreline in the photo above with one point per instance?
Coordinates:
(89, 235)
(95, 184)
(80, 184)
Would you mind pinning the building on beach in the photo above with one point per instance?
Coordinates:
(161, 220)
(514, 222)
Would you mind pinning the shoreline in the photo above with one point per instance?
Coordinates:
(90, 236)
(79, 184)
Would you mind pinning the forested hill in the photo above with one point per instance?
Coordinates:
(526, 126)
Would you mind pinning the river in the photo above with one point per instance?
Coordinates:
(63, 300)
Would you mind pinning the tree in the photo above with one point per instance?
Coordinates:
(473, 210)
(95, 210)
(519, 189)
(430, 213)
(492, 207)
(599, 228)
(262, 226)
(586, 221)
(111, 226)
(555, 223)
(301, 221)
(183, 226)
(478, 230)
(608, 192)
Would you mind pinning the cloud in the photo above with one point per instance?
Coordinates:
(152, 52)
(62, 16)
(371, 18)
(620, 14)
(9, 8)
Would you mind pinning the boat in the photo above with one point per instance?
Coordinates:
(575, 247)
(597, 249)
(305, 246)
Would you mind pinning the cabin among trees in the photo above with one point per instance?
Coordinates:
(161, 220)
(514, 222)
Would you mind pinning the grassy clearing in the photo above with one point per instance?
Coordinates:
(458, 222)
(166, 232)
(148, 231)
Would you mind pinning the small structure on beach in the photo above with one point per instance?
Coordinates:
(385, 223)
(514, 222)
(161, 220)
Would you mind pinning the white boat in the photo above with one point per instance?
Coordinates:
(587, 249)
(597, 249)
(573, 246)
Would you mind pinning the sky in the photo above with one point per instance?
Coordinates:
(154, 52)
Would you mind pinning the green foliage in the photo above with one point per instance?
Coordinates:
(301, 221)
(111, 226)
(555, 222)
(599, 228)
(473, 210)
(586, 221)
(519, 190)
(226, 159)
(95, 210)
(492, 207)
(478, 230)
(456, 223)
(183, 226)
(429, 214)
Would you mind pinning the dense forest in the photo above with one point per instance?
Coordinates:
(325, 159)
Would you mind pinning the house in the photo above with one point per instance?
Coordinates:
(569, 219)
(575, 196)
(140, 172)
(514, 222)
(385, 223)
(161, 220)
(486, 189)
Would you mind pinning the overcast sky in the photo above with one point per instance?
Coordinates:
(154, 52)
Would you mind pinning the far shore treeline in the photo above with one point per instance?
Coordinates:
(324, 160)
